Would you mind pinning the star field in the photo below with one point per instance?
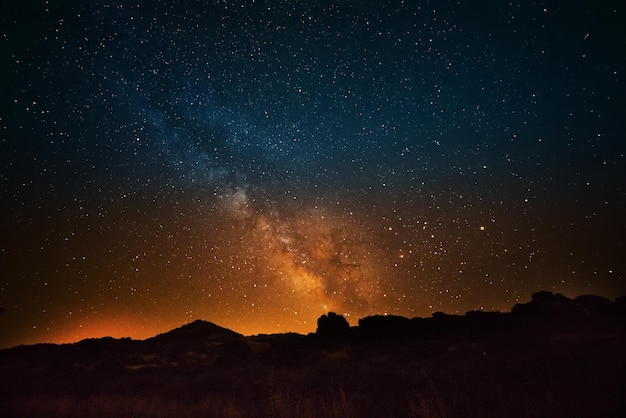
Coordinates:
(259, 163)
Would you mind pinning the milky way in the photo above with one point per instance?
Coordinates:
(259, 163)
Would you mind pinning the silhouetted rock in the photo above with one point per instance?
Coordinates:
(332, 325)
(620, 305)
(592, 304)
(556, 314)
(385, 328)
(481, 321)
(545, 304)
(551, 301)
(483, 316)
(446, 323)
(572, 347)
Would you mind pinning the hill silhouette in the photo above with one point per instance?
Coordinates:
(552, 356)
(196, 331)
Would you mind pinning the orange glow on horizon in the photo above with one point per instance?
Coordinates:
(99, 328)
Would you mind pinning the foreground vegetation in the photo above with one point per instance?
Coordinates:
(535, 363)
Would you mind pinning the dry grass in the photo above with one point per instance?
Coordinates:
(534, 379)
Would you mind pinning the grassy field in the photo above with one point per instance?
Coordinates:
(577, 377)
(553, 357)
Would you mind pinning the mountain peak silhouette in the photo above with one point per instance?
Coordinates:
(196, 331)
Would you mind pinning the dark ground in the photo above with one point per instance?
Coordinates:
(552, 357)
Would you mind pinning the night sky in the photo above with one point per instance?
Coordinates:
(259, 163)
